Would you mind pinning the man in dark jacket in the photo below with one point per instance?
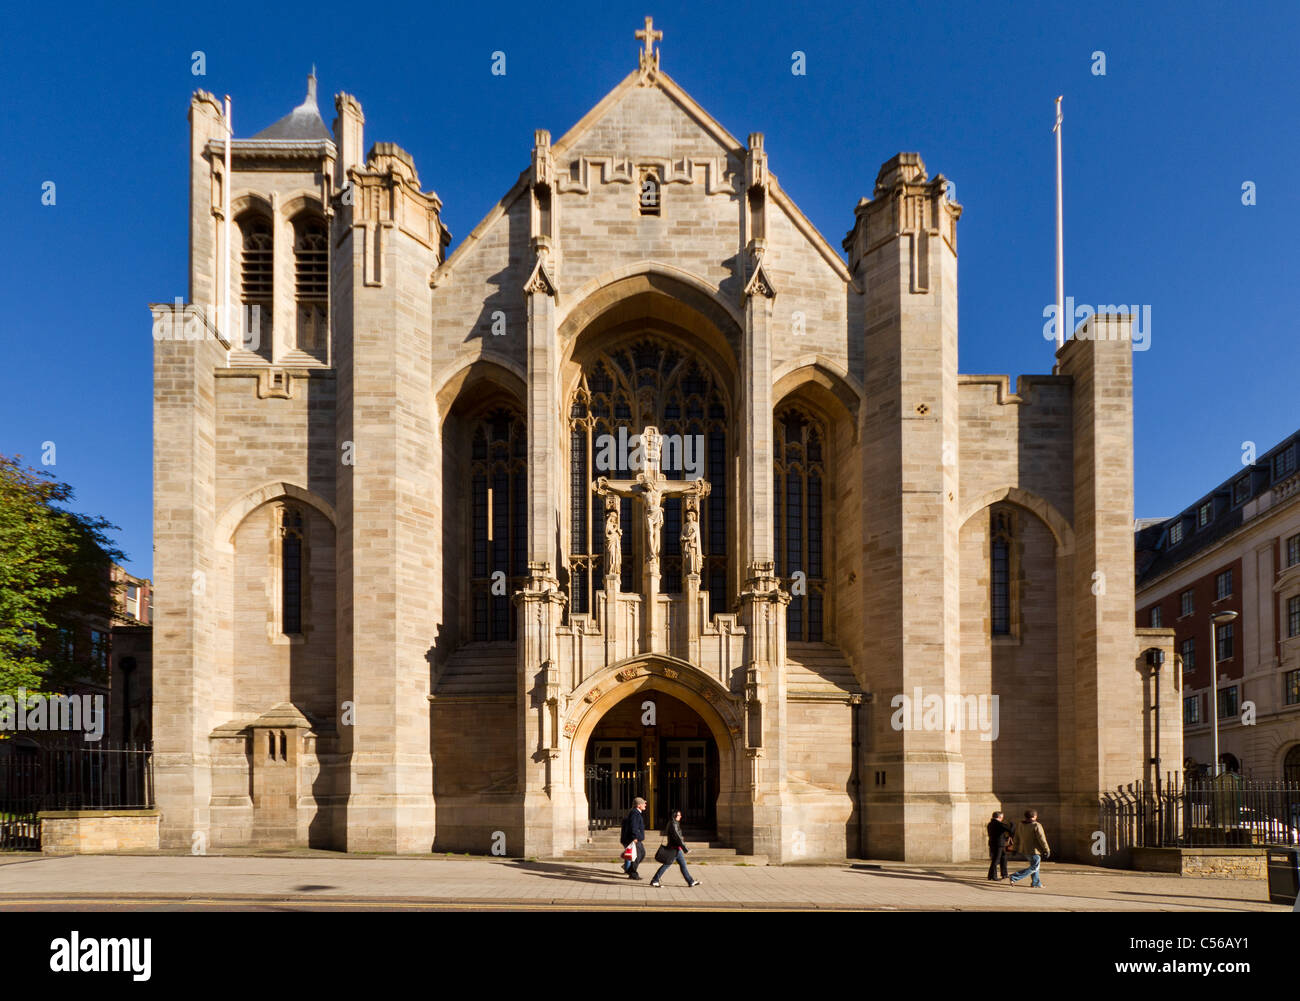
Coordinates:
(999, 842)
(633, 834)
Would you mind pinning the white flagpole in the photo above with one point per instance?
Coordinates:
(225, 239)
(1060, 238)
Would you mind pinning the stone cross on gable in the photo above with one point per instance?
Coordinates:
(649, 54)
(651, 486)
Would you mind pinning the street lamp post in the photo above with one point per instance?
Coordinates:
(1156, 659)
(1217, 619)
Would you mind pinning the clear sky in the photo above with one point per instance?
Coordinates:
(1197, 99)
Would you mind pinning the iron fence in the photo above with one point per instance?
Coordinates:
(1223, 812)
(72, 775)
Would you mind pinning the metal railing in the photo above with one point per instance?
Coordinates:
(1223, 812)
(72, 775)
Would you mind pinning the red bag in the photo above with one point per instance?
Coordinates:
(627, 852)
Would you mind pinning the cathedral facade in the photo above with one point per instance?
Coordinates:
(646, 489)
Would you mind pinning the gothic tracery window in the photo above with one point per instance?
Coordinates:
(799, 467)
(311, 282)
(1002, 572)
(621, 391)
(291, 546)
(499, 520)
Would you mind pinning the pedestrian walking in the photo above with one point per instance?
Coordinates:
(673, 850)
(999, 843)
(1031, 842)
(633, 836)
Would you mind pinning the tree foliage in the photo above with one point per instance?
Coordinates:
(55, 574)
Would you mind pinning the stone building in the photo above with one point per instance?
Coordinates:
(645, 489)
(1237, 549)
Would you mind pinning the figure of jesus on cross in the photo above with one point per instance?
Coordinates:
(651, 487)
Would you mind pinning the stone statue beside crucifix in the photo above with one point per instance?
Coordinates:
(651, 487)
(613, 539)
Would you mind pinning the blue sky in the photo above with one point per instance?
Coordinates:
(1197, 99)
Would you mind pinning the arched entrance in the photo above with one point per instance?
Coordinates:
(652, 745)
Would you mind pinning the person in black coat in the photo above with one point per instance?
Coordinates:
(633, 833)
(677, 847)
(999, 843)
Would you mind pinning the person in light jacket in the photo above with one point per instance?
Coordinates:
(673, 835)
(1031, 842)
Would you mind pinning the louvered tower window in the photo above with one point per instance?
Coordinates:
(311, 283)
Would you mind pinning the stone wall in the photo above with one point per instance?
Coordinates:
(97, 832)
(1211, 863)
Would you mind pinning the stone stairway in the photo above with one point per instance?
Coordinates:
(819, 670)
(479, 669)
(604, 847)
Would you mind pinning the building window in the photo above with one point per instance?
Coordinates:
(1241, 491)
(1291, 765)
(1227, 702)
(1176, 533)
(1191, 710)
(1223, 585)
(650, 193)
(1002, 571)
(1156, 618)
(1293, 550)
(133, 601)
(291, 538)
(99, 650)
(1284, 463)
(1291, 688)
(311, 283)
(1293, 616)
(498, 486)
(257, 281)
(622, 390)
(1203, 514)
(1188, 602)
(799, 443)
(1188, 651)
(1225, 642)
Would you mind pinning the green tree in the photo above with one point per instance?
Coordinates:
(54, 574)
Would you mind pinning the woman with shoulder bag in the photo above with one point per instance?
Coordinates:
(673, 850)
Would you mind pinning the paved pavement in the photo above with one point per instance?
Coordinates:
(321, 880)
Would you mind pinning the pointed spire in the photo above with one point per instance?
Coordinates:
(304, 122)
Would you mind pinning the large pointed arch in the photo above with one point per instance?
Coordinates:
(1061, 531)
(239, 509)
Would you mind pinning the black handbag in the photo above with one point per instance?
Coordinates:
(664, 855)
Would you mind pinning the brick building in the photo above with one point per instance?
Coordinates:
(1237, 549)
(647, 487)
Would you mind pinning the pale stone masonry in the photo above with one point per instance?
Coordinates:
(383, 619)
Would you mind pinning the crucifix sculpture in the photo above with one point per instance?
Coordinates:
(649, 55)
(651, 486)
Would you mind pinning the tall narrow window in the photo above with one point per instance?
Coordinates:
(291, 535)
(799, 467)
(256, 282)
(311, 283)
(498, 485)
(1001, 578)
